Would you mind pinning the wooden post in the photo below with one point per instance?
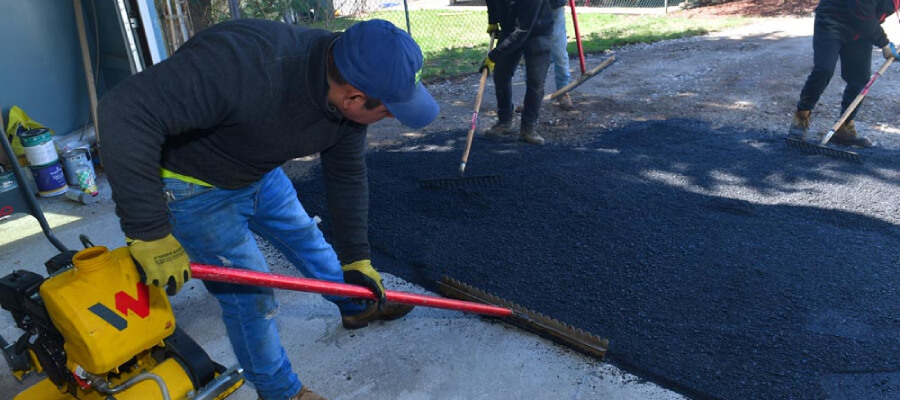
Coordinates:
(88, 69)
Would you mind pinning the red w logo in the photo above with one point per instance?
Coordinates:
(124, 302)
(140, 305)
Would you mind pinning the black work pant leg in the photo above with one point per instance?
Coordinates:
(827, 44)
(504, 68)
(537, 62)
(856, 67)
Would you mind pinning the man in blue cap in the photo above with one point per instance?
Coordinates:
(194, 147)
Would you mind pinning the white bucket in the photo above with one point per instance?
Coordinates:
(39, 148)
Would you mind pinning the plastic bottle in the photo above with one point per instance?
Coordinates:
(82, 197)
(86, 179)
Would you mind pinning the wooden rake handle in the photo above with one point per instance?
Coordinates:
(576, 83)
(859, 98)
(471, 135)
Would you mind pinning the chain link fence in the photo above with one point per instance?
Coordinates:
(450, 32)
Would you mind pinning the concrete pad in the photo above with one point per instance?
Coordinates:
(430, 354)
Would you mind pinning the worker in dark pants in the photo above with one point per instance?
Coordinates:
(844, 30)
(525, 28)
(194, 147)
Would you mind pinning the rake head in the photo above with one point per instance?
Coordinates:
(471, 182)
(812, 148)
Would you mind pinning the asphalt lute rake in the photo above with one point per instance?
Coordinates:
(481, 181)
(820, 148)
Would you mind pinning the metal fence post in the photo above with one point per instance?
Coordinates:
(235, 7)
(406, 11)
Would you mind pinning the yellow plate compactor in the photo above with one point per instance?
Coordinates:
(96, 333)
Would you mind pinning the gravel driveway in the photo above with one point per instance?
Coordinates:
(668, 216)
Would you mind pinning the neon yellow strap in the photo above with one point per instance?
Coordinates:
(184, 178)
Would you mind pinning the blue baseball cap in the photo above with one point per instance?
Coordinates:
(385, 63)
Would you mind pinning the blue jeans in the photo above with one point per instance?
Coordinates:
(559, 56)
(216, 226)
(830, 43)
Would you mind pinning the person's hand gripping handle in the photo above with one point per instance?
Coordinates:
(162, 262)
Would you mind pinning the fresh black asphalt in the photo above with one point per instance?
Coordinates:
(716, 261)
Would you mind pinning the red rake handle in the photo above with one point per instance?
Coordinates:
(277, 281)
(577, 35)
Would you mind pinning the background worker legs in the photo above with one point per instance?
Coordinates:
(537, 61)
(829, 45)
(856, 68)
(559, 56)
(505, 67)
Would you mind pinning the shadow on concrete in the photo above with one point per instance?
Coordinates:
(718, 262)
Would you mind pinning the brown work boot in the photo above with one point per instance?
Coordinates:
(388, 312)
(800, 125)
(565, 102)
(529, 135)
(305, 394)
(846, 136)
(500, 129)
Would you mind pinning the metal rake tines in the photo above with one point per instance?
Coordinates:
(823, 150)
(472, 182)
(541, 324)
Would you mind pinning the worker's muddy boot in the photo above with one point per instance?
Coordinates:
(501, 129)
(565, 103)
(530, 135)
(846, 136)
(800, 125)
(388, 312)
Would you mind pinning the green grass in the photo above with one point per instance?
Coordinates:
(454, 42)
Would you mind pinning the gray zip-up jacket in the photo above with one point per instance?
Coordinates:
(236, 101)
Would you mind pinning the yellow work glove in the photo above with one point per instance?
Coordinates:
(487, 64)
(161, 262)
(493, 28)
(361, 273)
